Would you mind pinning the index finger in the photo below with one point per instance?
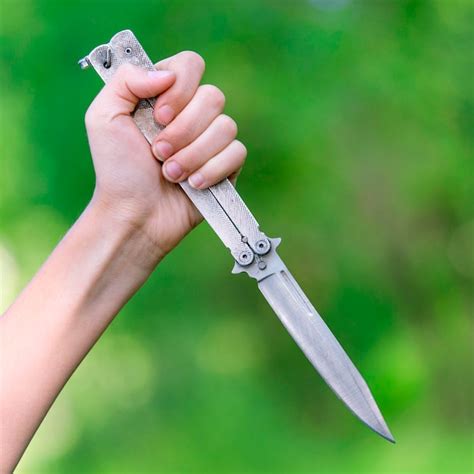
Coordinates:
(189, 68)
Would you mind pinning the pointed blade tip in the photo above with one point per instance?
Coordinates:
(377, 425)
(387, 435)
(383, 431)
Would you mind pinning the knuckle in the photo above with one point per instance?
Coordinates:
(90, 117)
(241, 150)
(214, 94)
(194, 60)
(98, 118)
(228, 125)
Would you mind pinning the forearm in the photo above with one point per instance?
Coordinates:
(52, 325)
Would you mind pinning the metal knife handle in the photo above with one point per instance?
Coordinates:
(220, 204)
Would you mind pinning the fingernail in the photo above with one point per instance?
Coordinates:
(165, 114)
(160, 74)
(196, 180)
(162, 150)
(172, 170)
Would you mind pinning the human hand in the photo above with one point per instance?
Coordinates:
(198, 144)
(136, 216)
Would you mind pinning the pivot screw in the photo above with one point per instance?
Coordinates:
(245, 257)
(263, 246)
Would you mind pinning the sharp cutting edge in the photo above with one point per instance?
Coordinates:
(254, 253)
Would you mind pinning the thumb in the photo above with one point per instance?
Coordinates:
(130, 84)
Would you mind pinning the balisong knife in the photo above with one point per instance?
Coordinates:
(253, 252)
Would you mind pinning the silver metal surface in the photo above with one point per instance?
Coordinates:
(238, 213)
(254, 253)
(320, 346)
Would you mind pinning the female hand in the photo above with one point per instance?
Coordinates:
(197, 144)
(136, 216)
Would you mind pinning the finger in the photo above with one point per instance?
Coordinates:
(205, 106)
(224, 164)
(215, 138)
(189, 68)
(128, 85)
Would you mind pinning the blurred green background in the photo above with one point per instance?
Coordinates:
(358, 118)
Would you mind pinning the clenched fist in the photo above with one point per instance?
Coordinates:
(198, 144)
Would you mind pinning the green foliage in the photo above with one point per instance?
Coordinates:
(358, 117)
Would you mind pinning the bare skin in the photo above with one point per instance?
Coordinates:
(136, 216)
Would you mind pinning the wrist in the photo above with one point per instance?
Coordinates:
(127, 225)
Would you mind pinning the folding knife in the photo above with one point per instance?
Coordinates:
(253, 252)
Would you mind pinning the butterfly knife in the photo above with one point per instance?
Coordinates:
(254, 253)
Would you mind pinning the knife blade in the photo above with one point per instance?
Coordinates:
(254, 253)
(322, 349)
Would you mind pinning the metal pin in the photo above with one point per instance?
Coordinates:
(84, 63)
